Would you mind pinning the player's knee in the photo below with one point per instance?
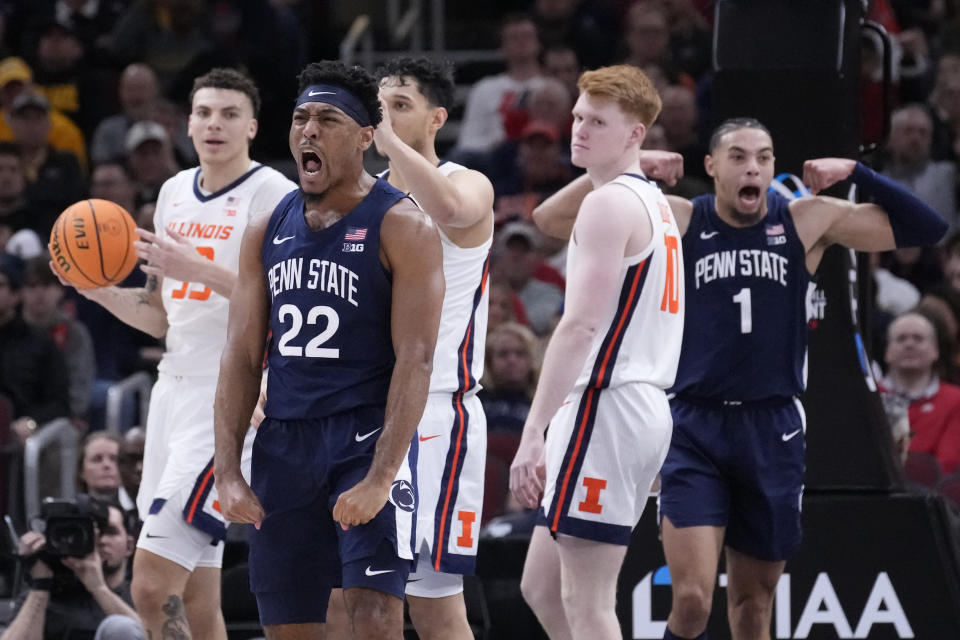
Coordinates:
(372, 618)
(692, 602)
(751, 613)
(148, 594)
(535, 594)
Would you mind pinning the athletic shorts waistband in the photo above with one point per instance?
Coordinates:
(717, 403)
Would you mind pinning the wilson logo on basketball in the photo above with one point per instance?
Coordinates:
(91, 244)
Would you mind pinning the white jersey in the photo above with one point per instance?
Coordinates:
(214, 223)
(462, 337)
(641, 339)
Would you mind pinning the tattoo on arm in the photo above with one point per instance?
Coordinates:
(148, 289)
(175, 626)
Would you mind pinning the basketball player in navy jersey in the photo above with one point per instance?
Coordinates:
(347, 273)
(612, 355)
(733, 477)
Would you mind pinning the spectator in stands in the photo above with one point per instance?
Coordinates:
(945, 108)
(98, 470)
(691, 38)
(91, 20)
(33, 375)
(497, 100)
(679, 120)
(16, 78)
(912, 357)
(16, 215)
(561, 63)
(526, 172)
(139, 92)
(510, 376)
(646, 34)
(54, 178)
(63, 74)
(42, 296)
(131, 462)
(518, 263)
(150, 158)
(167, 35)
(505, 306)
(908, 161)
(49, 611)
(569, 23)
(112, 181)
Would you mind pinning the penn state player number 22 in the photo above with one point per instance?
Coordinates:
(746, 314)
(313, 348)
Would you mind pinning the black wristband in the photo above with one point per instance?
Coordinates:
(40, 584)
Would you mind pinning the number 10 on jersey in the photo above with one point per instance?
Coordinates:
(671, 289)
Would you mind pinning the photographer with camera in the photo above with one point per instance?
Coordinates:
(77, 576)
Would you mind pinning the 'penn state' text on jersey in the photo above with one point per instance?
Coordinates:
(746, 334)
(330, 295)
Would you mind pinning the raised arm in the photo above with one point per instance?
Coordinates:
(603, 228)
(239, 382)
(412, 246)
(555, 215)
(896, 218)
(462, 200)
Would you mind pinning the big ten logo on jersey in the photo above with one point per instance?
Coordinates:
(776, 235)
(671, 288)
(816, 305)
(230, 206)
(353, 239)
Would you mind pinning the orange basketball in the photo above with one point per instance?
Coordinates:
(91, 244)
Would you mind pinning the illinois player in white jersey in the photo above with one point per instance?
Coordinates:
(416, 94)
(191, 269)
(605, 369)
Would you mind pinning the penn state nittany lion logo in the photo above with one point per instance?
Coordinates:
(402, 497)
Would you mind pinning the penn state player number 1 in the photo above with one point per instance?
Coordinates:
(746, 314)
(313, 348)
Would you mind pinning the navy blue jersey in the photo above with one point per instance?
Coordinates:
(745, 337)
(330, 295)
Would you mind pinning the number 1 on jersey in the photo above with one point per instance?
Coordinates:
(746, 314)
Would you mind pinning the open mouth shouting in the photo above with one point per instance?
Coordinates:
(310, 162)
(748, 198)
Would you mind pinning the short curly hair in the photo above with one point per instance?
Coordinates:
(434, 79)
(226, 78)
(356, 80)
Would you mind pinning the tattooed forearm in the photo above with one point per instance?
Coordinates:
(175, 625)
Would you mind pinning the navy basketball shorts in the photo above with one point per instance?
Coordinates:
(739, 467)
(299, 469)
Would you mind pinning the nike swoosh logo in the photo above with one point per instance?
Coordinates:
(150, 535)
(425, 438)
(361, 438)
(279, 240)
(706, 236)
(322, 93)
(788, 436)
(371, 572)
